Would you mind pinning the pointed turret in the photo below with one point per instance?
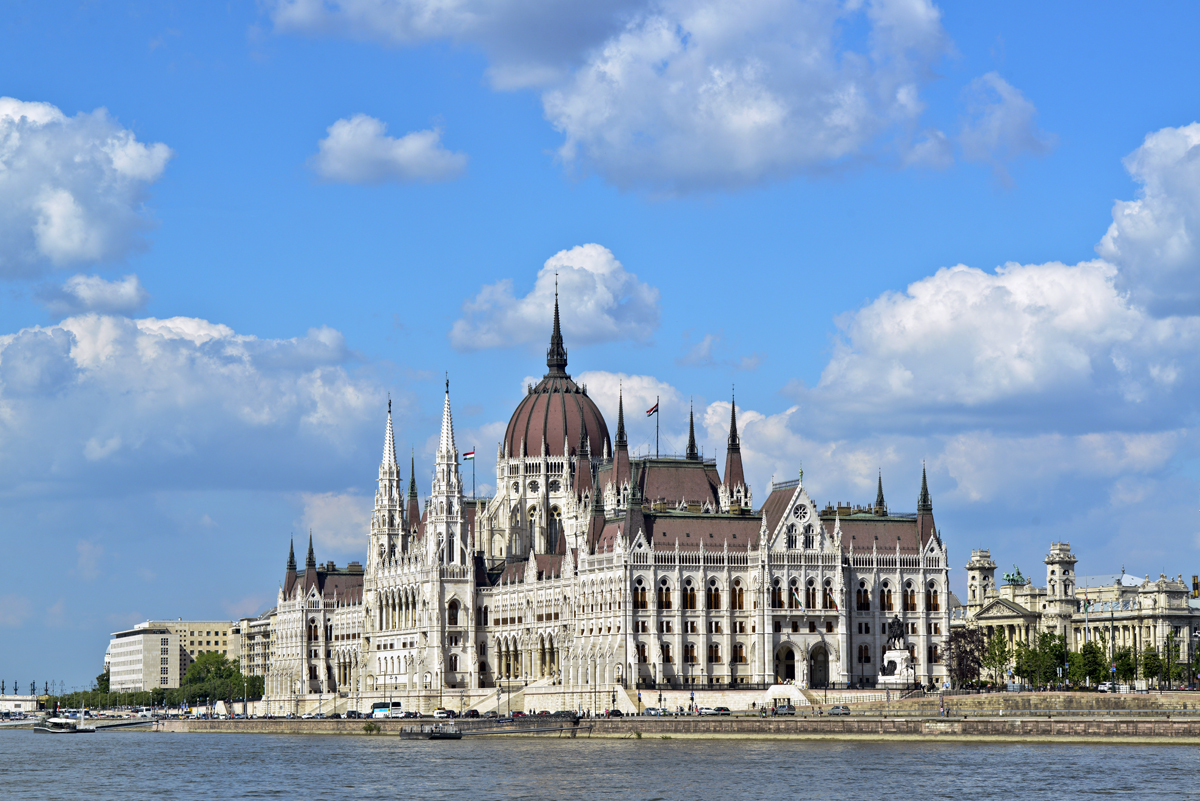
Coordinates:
(389, 441)
(289, 577)
(291, 565)
(310, 562)
(734, 476)
(692, 452)
(880, 504)
(924, 502)
(556, 354)
(446, 441)
(414, 504)
(621, 440)
(583, 466)
(620, 473)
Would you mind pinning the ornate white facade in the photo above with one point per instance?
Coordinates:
(591, 568)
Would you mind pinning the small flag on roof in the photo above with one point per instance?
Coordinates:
(652, 410)
(468, 456)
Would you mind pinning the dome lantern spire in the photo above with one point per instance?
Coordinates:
(556, 354)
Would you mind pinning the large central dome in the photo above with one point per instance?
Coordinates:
(556, 411)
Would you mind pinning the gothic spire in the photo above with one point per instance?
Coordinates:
(291, 556)
(446, 447)
(412, 478)
(734, 442)
(556, 354)
(389, 441)
(692, 453)
(621, 441)
(310, 563)
(924, 502)
(880, 504)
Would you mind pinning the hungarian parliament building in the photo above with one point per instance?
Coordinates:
(594, 570)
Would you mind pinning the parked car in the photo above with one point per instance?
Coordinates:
(491, 713)
(518, 713)
(441, 713)
(1105, 687)
(655, 711)
(336, 716)
(785, 709)
(354, 713)
(472, 713)
(307, 716)
(707, 710)
(722, 710)
(616, 713)
(839, 709)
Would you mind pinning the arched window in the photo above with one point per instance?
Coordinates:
(827, 595)
(790, 531)
(935, 655)
(452, 614)
(909, 598)
(793, 600)
(862, 597)
(810, 594)
(689, 595)
(864, 654)
(808, 535)
(664, 594)
(639, 595)
(932, 602)
(553, 529)
(776, 595)
(738, 597)
(453, 666)
(885, 598)
(713, 601)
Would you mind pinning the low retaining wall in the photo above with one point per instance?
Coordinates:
(1181, 730)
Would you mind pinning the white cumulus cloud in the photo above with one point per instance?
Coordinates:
(91, 293)
(1154, 237)
(72, 189)
(600, 301)
(359, 151)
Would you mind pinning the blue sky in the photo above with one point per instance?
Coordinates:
(904, 231)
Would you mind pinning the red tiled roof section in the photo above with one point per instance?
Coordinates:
(865, 532)
(776, 506)
(676, 480)
(714, 531)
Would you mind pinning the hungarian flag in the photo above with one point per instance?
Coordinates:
(469, 456)
(652, 410)
(832, 602)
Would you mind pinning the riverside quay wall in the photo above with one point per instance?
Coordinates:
(1180, 728)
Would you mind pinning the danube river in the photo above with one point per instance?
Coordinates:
(141, 765)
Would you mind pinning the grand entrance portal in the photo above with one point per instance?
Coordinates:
(785, 664)
(819, 668)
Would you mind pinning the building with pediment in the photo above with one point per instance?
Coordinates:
(1115, 610)
(596, 569)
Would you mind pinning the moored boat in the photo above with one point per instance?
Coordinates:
(62, 726)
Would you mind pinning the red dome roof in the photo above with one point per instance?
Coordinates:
(556, 411)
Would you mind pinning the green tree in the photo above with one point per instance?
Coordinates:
(1093, 666)
(965, 653)
(1126, 666)
(102, 684)
(1152, 664)
(997, 656)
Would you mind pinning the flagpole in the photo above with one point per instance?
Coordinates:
(472, 472)
(656, 416)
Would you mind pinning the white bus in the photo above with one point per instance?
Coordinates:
(385, 710)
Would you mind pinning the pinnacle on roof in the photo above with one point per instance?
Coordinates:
(556, 354)
(412, 478)
(880, 504)
(446, 443)
(311, 562)
(389, 441)
(924, 502)
(291, 556)
(621, 441)
(692, 453)
(734, 442)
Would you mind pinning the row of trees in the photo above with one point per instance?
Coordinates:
(973, 657)
(212, 677)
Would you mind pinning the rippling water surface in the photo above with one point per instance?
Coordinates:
(144, 765)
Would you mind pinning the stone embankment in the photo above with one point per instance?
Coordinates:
(1159, 727)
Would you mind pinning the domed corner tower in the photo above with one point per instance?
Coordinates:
(536, 467)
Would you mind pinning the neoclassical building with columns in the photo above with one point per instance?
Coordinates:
(592, 567)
